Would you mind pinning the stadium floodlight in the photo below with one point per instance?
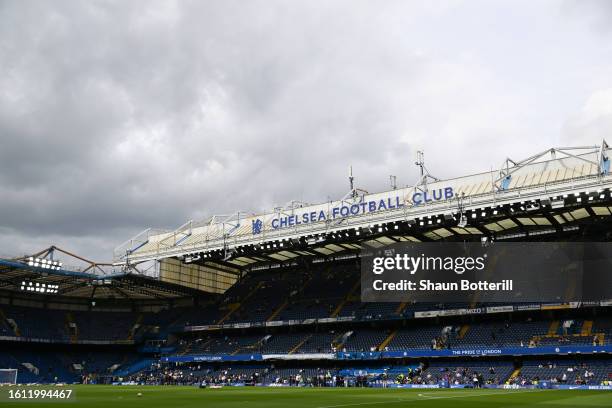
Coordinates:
(462, 221)
(39, 287)
(44, 263)
(543, 232)
(314, 240)
(533, 207)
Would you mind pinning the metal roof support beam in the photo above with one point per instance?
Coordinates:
(510, 166)
(178, 235)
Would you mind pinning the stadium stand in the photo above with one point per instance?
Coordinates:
(288, 311)
(565, 372)
(485, 372)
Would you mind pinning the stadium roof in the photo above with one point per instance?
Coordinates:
(541, 192)
(29, 275)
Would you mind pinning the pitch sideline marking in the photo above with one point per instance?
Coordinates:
(508, 392)
(505, 392)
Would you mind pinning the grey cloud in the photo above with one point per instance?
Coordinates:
(117, 116)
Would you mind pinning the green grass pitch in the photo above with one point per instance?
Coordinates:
(234, 397)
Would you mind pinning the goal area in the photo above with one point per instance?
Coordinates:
(8, 376)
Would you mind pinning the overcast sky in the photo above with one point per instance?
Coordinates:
(117, 116)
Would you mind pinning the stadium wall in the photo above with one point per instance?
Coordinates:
(204, 278)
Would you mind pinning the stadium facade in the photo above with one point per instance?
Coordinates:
(567, 172)
(274, 298)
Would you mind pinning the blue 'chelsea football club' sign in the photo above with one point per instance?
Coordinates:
(345, 209)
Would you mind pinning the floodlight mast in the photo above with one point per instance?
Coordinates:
(420, 161)
(354, 193)
(393, 180)
(421, 185)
